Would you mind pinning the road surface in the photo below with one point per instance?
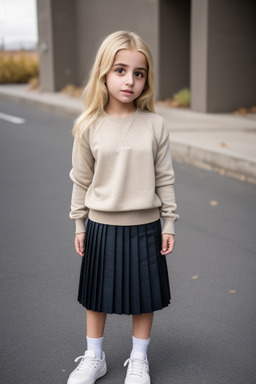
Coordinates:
(208, 333)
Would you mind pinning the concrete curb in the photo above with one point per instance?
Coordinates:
(242, 168)
(65, 105)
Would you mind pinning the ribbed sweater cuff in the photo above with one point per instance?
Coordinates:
(80, 225)
(168, 226)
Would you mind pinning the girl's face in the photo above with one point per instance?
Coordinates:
(127, 78)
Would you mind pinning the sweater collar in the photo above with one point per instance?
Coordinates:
(125, 119)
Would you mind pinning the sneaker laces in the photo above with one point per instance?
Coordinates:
(136, 366)
(87, 364)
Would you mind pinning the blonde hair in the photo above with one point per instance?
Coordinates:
(95, 94)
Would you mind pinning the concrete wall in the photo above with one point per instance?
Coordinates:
(98, 18)
(174, 46)
(232, 55)
(223, 61)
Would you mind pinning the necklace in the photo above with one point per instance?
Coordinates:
(123, 145)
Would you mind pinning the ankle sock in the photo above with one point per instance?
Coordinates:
(140, 345)
(95, 345)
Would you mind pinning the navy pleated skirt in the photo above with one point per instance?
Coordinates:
(123, 271)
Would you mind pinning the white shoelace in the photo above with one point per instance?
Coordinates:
(137, 367)
(87, 364)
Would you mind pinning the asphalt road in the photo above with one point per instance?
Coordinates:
(207, 334)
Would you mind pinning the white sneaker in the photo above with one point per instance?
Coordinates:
(89, 369)
(138, 370)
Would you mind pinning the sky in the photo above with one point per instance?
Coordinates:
(18, 21)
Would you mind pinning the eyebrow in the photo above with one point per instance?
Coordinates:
(125, 65)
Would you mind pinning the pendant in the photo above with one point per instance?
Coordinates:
(123, 146)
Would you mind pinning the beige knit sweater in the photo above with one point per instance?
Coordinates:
(122, 173)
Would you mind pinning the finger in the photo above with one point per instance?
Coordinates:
(172, 244)
(170, 247)
(170, 241)
(79, 247)
(164, 244)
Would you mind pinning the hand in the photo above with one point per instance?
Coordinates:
(168, 242)
(79, 243)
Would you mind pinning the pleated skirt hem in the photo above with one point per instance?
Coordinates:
(123, 271)
(116, 312)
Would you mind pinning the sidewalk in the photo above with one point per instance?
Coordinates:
(222, 142)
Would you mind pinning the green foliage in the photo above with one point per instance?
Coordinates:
(182, 98)
(18, 67)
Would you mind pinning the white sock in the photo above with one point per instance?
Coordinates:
(95, 345)
(140, 345)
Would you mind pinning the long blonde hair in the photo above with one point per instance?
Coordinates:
(95, 94)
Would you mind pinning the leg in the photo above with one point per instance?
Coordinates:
(93, 364)
(141, 333)
(138, 370)
(95, 329)
(142, 325)
(95, 323)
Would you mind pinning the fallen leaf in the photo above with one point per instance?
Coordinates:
(222, 171)
(214, 203)
(253, 109)
(223, 144)
(195, 277)
(232, 291)
(240, 111)
(63, 370)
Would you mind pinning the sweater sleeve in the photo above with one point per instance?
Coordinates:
(81, 174)
(164, 177)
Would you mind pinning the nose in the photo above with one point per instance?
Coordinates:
(129, 79)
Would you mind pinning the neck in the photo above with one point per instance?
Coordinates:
(120, 110)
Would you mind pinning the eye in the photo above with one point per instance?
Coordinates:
(138, 74)
(120, 70)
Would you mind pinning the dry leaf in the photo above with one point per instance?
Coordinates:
(232, 291)
(63, 370)
(33, 84)
(253, 109)
(167, 103)
(214, 203)
(72, 90)
(241, 111)
(195, 277)
(223, 144)
(222, 171)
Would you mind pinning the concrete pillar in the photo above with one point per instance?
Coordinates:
(45, 45)
(57, 43)
(223, 55)
(174, 46)
(198, 67)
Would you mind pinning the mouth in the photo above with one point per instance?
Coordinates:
(127, 91)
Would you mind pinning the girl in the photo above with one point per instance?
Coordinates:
(122, 183)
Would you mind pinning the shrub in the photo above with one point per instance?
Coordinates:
(18, 67)
(182, 98)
